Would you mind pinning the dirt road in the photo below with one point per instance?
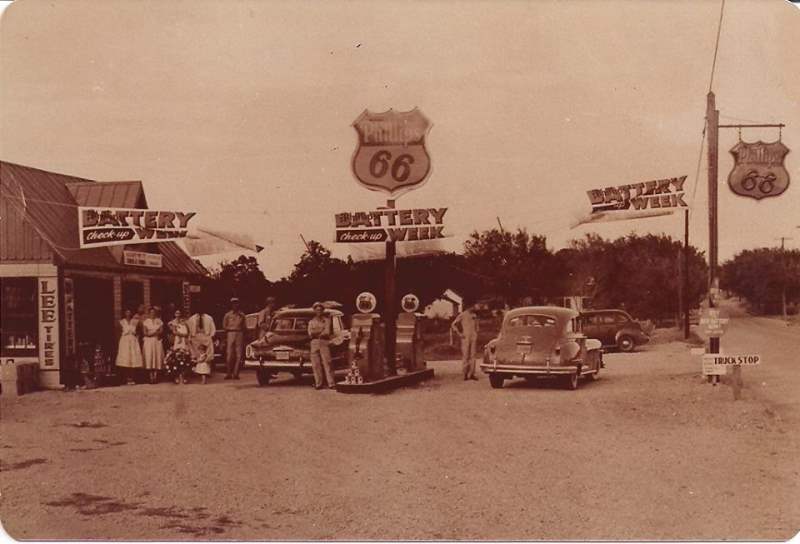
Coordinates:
(649, 451)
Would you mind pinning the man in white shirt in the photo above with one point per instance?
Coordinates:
(201, 322)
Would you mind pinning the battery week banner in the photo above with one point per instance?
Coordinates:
(390, 225)
(100, 226)
(634, 200)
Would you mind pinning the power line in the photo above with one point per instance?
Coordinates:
(716, 46)
(710, 87)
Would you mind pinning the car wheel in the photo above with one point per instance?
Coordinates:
(262, 376)
(596, 374)
(496, 380)
(626, 343)
(571, 381)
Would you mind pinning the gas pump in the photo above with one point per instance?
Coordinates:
(409, 335)
(366, 343)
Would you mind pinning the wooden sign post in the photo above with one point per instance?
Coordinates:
(764, 176)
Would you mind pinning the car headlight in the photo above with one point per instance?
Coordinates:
(248, 352)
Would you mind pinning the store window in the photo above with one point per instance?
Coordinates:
(19, 327)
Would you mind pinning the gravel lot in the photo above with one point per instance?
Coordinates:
(649, 451)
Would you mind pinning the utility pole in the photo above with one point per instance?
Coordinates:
(783, 275)
(686, 306)
(679, 315)
(712, 129)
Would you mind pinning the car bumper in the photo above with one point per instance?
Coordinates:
(528, 370)
(280, 366)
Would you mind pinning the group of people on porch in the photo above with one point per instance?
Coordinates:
(183, 346)
(180, 347)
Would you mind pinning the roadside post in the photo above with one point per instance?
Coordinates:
(758, 173)
(714, 322)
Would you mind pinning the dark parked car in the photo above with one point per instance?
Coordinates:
(287, 346)
(614, 328)
(542, 341)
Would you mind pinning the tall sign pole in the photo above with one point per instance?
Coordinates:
(712, 128)
(390, 307)
(391, 157)
(783, 276)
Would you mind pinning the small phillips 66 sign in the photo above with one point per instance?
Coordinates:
(759, 171)
(391, 155)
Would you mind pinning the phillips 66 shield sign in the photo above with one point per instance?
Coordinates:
(759, 171)
(391, 155)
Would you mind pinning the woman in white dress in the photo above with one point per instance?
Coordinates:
(152, 345)
(129, 355)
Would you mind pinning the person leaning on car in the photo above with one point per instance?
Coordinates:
(264, 319)
(234, 324)
(319, 329)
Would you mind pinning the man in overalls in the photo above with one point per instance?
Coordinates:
(319, 329)
(469, 339)
(234, 324)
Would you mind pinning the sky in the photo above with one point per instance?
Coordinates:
(242, 110)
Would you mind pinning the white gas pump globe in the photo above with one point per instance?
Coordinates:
(366, 302)
(410, 303)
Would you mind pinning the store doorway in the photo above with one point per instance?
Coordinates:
(95, 322)
(167, 295)
(132, 295)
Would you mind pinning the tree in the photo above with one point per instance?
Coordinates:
(758, 276)
(637, 273)
(240, 278)
(316, 276)
(516, 265)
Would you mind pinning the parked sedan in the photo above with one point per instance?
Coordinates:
(542, 341)
(614, 328)
(287, 347)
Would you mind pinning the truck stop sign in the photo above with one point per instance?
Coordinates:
(716, 364)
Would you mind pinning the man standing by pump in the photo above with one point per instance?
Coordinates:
(469, 339)
(320, 329)
(234, 324)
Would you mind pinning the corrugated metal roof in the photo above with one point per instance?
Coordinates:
(176, 259)
(49, 208)
(111, 194)
(19, 241)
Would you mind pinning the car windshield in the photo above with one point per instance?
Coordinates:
(290, 324)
